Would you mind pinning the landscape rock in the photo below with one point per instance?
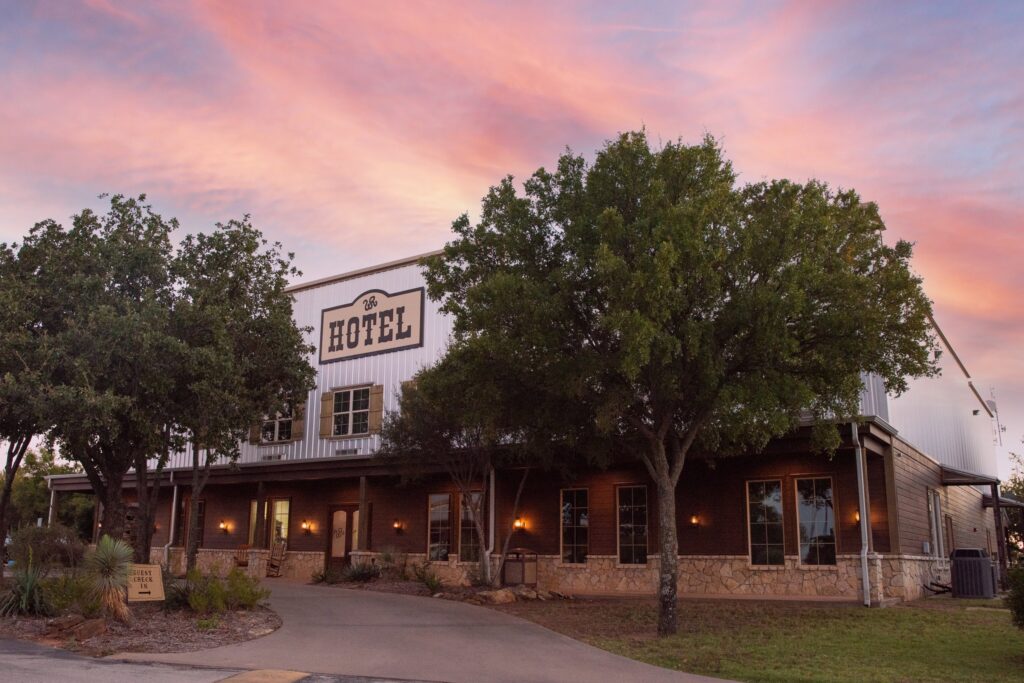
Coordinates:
(89, 629)
(502, 596)
(63, 623)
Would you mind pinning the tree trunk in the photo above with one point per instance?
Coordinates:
(15, 452)
(200, 475)
(668, 579)
(508, 533)
(481, 539)
(148, 497)
(113, 519)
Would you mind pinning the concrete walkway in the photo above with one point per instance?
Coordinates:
(363, 633)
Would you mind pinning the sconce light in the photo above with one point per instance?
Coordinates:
(223, 526)
(519, 523)
(306, 526)
(694, 520)
(397, 526)
(856, 515)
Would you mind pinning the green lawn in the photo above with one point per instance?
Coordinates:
(937, 639)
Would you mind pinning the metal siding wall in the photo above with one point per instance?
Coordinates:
(936, 416)
(386, 369)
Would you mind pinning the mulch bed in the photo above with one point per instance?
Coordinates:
(385, 585)
(153, 630)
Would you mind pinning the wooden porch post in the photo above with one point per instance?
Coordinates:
(259, 538)
(364, 516)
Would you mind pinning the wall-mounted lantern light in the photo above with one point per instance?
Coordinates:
(397, 526)
(856, 515)
(224, 526)
(519, 524)
(306, 526)
(694, 520)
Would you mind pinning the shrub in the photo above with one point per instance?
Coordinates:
(1015, 600)
(108, 567)
(425, 575)
(205, 593)
(361, 572)
(394, 563)
(49, 546)
(175, 595)
(208, 623)
(331, 575)
(243, 591)
(73, 593)
(26, 595)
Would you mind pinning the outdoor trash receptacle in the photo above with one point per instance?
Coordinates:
(521, 567)
(971, 570)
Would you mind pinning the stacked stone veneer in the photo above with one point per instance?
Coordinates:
(893, 577)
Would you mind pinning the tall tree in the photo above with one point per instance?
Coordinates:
(655, 307)
(115, 355)
(246, 357)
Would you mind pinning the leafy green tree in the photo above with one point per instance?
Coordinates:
(1014, 487)
(30, 496)
(246, 357)
(116, 354)
(649, 306)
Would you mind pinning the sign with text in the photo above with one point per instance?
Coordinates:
(145, 583)
(376, 322)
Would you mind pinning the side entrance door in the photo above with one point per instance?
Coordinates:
(343, 536)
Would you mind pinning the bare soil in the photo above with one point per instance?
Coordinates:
(154, 630)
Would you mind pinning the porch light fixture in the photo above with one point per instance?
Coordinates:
(223, 526)
(306, 526)
(397, 526)
(694, 520)
(519, 524)
(856, 515)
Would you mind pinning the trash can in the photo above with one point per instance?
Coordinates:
(521, 567)
(972, 575)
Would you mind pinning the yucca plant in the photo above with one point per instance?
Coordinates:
(108, 566)
(26, 594)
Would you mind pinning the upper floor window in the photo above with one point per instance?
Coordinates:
(279, 427)
(764, 510)
(816, 516)
(351, 413)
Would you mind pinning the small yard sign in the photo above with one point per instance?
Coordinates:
(145, 583)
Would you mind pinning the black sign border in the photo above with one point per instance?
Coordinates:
(417, 345)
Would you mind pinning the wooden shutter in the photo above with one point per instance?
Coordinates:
(326, 414)
(299, 421)
(376, 407)
(255, 433)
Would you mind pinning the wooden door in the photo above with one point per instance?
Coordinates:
(343, 535)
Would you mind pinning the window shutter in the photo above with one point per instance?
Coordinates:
(254, 434)
(326, 413)
(299, 421)
(376, 407)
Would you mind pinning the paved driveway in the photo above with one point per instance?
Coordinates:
(362, 633)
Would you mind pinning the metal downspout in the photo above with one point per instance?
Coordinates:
(490, 515)
(864, 512)
(174, 523)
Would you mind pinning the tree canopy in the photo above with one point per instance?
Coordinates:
(650, 305)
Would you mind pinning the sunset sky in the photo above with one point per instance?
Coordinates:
(355, 132)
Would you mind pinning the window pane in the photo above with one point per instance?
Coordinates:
(284, 430)
(439, 534)
(469, 546)
(575, 518)
(360, 423)
(361, 399)
(632, 524)
(279, 521)
(765, 526)
(267, 431)
(252, 521)
(817, 521)
(341, 401)
(341, 424)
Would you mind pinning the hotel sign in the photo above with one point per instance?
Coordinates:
(145, 583)
(375, 322)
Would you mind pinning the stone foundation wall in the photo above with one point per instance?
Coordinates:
(297, 564)
(904, 576)
(451, 572)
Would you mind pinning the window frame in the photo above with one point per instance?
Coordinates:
(277, 420)
(750, 540)
(351, 413)
(462, 520)
(450, 527)
(618, 527)
(268, 522)
(796, 514)
(561, 526)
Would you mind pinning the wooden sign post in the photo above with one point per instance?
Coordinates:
(145, 583)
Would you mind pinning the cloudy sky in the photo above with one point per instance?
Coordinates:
(355, 132)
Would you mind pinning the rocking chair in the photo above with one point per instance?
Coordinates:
(276, 558)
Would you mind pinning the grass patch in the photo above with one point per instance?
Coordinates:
(929, 640)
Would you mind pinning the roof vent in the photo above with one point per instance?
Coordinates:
(273, 456)
(347, 451)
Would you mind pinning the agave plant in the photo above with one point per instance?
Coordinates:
(108, 565)
(26, 594)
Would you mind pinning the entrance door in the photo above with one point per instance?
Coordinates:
(344, 535)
